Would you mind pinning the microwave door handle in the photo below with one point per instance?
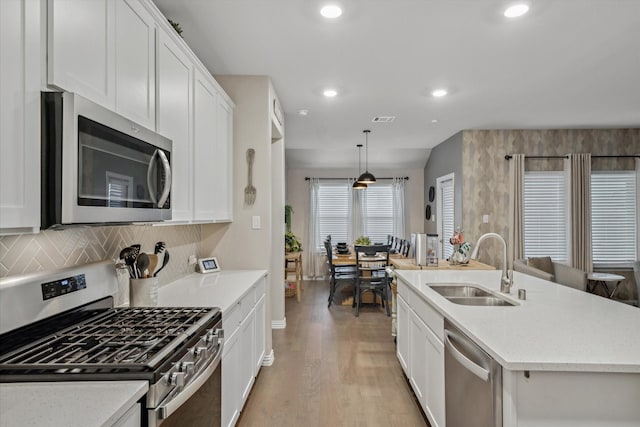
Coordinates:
(167, 178)
(150, 182)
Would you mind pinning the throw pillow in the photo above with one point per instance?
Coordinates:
(543, 263)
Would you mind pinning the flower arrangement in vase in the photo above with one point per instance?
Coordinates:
(461, 249)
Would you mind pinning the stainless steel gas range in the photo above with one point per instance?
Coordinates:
(62, 326)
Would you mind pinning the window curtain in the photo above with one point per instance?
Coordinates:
(399, 212)
(314, 259)
(357, 212)
(516, 208)
(579, 165)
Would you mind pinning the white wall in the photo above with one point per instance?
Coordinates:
(297, 195)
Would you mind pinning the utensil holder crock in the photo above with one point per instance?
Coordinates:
(144, 292)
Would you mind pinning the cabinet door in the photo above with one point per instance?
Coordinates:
(260, 334)
(434, 365)
(81, 51)
(231, 391)
(402, 334)
(135, 63)
(224, 161)
(418, 356)
(174, 77)
(19, 116)
(247, 338)
(205, 148)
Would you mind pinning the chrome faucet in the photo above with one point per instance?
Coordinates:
(505, 281)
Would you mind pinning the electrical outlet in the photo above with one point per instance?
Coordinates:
(192, 260)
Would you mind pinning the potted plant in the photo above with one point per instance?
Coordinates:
(291, 242)
(365, 241)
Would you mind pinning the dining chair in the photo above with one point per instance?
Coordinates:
(371, 275)
(338, 275)
(405, 250)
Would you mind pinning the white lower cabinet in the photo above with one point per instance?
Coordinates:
(402, 338)
(131, 418)
(420, 352)
(244, 326)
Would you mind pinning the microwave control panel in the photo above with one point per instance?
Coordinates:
(63, 286)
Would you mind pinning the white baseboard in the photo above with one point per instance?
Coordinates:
(279, 324)
(268, 359)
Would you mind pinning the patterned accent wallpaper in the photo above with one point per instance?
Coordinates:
(56, 249)
(485, 185)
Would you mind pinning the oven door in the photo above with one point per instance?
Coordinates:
(198, 403)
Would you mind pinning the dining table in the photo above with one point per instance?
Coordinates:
(400, 262)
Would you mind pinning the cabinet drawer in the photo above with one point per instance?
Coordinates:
(247, 302)
(404, 290)
(231, 319)
(260, 289)
(429, 315)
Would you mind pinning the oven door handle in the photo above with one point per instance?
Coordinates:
(167, 178)
(165, 410)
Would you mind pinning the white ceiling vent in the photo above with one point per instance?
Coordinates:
(383, 119)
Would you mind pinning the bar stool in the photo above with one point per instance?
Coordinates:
(294, 258)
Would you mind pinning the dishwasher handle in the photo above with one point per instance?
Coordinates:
(472, 367)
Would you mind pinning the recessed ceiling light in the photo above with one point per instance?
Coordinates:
(303, 112)
(439, 93)
(434, 121)
(330, 93)
(331, 11)
(515, 10)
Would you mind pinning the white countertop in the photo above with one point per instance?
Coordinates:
(556, 328)
(220, 289)
(67, 404)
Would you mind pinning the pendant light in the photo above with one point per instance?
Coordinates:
(366, 177)
(359, 185)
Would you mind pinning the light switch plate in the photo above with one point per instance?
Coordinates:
(485, 219)
(255, 222)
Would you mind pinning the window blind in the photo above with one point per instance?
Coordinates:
(545, 215)
(613, 218)
(447, 218)
(334, 212)
(378, 212)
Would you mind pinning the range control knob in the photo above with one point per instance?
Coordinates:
(177, 379)
(201, 352)
(186, 367)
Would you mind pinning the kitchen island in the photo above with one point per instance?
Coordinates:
(568, 357)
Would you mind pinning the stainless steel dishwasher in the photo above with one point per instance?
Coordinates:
(473, 382)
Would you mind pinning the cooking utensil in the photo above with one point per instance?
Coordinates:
(250, 190)
(129, 253)
(160, 246)
(142, 264)
(130, 260)
(165, 261)
(153, 263)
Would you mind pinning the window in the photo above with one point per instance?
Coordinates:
(378, 212)
(613, 218)
(334, 212)
(545, 215)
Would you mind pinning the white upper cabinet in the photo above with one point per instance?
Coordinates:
(223, 161)
(20, 65)
(173, 115)
(205, 150)
(81, 48)
(135, 63)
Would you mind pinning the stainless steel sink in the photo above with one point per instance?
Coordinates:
(492, 301)
(465, 294)
(459, 290)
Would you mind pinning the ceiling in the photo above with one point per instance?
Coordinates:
(565, 64)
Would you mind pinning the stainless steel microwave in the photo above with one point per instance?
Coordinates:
(99, 167)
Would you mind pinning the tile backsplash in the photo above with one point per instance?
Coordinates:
(50, 249)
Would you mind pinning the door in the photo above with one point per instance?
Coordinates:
(260, 334)
(445, 213)
(224, 161)
(418, 356)
(230, 380)
(135, 63)
(173, 120)
(402, 335)
(81, 48)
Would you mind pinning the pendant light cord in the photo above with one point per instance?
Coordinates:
(366, 150)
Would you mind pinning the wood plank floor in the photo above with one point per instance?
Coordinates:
(332, 369)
